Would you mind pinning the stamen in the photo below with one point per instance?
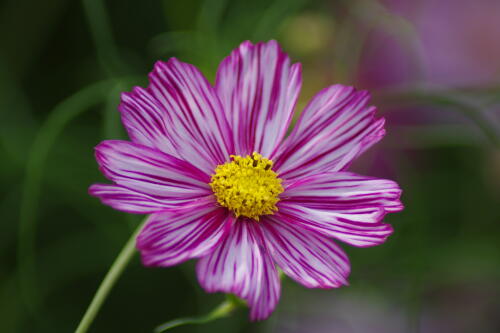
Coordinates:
(247, 186)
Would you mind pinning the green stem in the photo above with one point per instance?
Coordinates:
(221, 311)
(224, 309)
(109, 281)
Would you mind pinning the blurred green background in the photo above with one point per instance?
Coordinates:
(433, 68)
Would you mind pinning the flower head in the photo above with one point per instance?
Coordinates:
(212, 166)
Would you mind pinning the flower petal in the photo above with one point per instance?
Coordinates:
(344, 191)
(127, 200)
(174, 236)
(258, 89)
(306, 256)
(336, 126)
(343, 205)
(148, 171)
(263, 303)
(241, 266)
(180, 114)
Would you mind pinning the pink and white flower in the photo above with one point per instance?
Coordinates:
(223, 183)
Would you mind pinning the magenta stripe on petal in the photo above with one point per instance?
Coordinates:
(180, 114)
(336, 126)
(191, 231)
(258, 88)
(127, 200)
(343, 205)
(147, 121)
(241, 266)
(306, 256)
(344, 228)
(262, 304)
(340, 190)
(160, 176)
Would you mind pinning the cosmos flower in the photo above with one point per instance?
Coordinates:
(224, 184)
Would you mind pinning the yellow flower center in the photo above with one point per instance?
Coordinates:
(247, 186)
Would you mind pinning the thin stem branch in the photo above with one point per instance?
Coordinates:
(222, 310)
(109, 281)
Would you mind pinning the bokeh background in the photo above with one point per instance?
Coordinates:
(433, 68)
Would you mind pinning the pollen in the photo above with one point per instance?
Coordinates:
(247, 186)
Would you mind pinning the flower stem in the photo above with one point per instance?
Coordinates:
(109, 281)
(222, 310)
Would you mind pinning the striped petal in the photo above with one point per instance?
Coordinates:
(343, 205)
(306, 256)
(150, 173)
(127, 200)
(192, 231)
(180, 114)
(263, 303)
(241, 266)
(258, 89)
(335, 127)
